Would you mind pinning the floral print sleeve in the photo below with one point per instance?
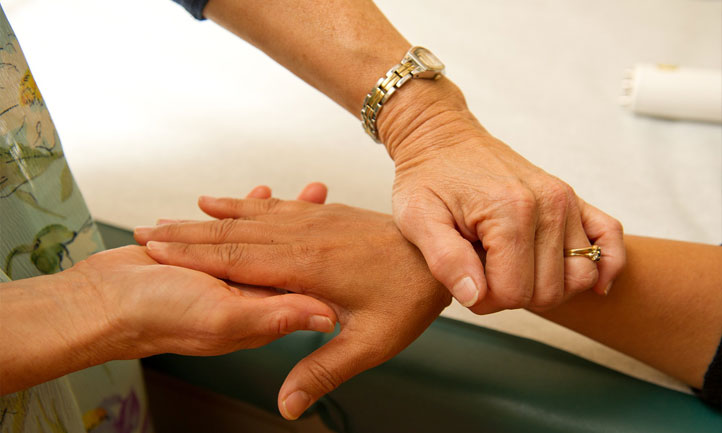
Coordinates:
(45, 227)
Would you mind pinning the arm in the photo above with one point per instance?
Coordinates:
(44, 335)
(120, 304)
(455, 183)
(665, 308)
(340, 47)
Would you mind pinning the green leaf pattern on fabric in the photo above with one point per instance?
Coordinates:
(66, 184)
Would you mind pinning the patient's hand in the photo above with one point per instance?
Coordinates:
(355, 260)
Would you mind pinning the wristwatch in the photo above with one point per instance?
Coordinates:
(417, 63)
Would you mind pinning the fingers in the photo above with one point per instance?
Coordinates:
(260, 265)
(323, 371)
(261, 191)
(246, 208)
(608, 233)
(549, 261)
(580, 273)
(314, 192)
(451, 258)
(275, 316)
(161, 221)
(509, 245)
(212, 232)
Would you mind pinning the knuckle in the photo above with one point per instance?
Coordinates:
(233, 206)
(559, 197)
(517, 298)
(523, 202)
(323, 378)
(581, 280)
(221, 230)
(280, 324)
(270, 204)
(231, 254)
(440, 262)
(304, 253)
(184, 250)
(548, 298)
(306, 263)
(165, 231)
(615, 226)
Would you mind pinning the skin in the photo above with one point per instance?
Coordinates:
(121, 304)
(455, 183)
(384, 299)
(665, 309)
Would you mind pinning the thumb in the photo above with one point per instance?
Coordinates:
(277, 315)
(323, 371)
(452, 259)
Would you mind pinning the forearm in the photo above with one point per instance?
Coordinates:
(43, 333)
(341, 47)
(665, 309)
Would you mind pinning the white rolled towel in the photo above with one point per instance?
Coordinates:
(674, 92)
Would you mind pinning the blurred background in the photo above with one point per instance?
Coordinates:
(154, 109)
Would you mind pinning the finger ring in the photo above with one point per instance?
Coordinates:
(593, 253)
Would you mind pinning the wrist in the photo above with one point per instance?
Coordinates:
(418, 115)
(98, 334)
(50, 328)
(107, 329)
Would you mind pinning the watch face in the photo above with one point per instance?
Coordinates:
(428, 58)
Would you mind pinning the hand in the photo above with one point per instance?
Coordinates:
(157, 309)
(456, 184)
(121, 304)
(354, 260)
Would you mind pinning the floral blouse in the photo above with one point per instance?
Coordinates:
(44, 228)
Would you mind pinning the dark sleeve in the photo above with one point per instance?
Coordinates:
(195, 7)
(711, 392)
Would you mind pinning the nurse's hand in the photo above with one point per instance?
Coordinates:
(122, 304)
(159, 309)
(456, 184)
(353, 260)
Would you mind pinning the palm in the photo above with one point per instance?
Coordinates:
(183, 310)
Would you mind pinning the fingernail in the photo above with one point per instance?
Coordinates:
(206, 198)
(465, 292)
(154, 245)
(320, 323)
(142, 230)
(295, 404)
(608, 288)
(165, 221)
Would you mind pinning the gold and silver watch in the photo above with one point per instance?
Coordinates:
(417, 63)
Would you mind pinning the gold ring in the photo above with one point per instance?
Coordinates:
(593, 253)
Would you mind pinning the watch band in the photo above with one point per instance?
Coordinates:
(418, 62)
(382, 91)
